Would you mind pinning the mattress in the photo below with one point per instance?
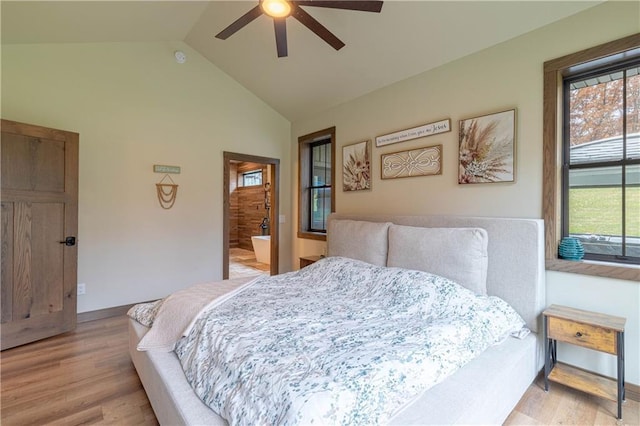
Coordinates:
(484, 391)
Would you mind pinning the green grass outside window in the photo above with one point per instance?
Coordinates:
(599, 210)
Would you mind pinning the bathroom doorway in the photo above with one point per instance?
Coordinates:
(250, 217)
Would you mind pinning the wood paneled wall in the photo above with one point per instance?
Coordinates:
(246, 206)
(233, 206)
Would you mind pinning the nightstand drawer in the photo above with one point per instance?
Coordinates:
(585, 335)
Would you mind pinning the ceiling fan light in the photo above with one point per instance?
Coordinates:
(276, 8)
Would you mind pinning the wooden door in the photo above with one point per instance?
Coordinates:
(39, 211)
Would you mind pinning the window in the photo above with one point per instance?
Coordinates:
(591, 162)
(316, 155)
(252, 178)
(601, 166)
(320, 185)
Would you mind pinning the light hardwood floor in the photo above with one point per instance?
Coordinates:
(86, 377)
(566, 406)
(80, 377)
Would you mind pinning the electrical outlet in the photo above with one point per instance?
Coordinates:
(82, 288)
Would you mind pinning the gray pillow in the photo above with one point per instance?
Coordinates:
(459, 254)
(361, 240)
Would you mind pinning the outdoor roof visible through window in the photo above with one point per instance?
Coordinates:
(609, 149)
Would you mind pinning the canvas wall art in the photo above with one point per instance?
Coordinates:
(356, 166)
(487, 148)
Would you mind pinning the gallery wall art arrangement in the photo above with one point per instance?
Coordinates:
(486, 152)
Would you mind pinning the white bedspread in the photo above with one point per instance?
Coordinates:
(339, 342)
(173, 316)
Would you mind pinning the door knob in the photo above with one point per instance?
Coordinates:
(69, 241)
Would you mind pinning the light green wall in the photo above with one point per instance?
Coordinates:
(134, 107)
(505, 76)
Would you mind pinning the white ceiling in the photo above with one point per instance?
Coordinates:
(405, 39)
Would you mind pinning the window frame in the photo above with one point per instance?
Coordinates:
(305, 144)
(553, 125)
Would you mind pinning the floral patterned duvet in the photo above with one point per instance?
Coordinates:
(339, 342)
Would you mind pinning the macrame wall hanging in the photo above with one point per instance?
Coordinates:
(167, 192)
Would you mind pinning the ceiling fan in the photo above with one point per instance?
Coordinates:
(280, 10)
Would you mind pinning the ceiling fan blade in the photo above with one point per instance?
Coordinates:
(239, 23)
(280, 27)
(315, 26)
(365, 6)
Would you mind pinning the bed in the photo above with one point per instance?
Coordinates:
(504, 255)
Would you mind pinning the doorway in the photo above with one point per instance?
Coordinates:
(266, 207)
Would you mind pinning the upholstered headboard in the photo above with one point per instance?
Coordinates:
(514, 252)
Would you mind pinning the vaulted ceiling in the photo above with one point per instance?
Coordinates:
(405, 39)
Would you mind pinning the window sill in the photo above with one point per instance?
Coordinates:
(599, 269)
(320, 236)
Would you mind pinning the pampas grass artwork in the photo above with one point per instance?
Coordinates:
(487, 148)
(356, 169)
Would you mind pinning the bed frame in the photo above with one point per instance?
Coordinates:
(484, 391)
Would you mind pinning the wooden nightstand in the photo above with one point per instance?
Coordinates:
(600, 332)
(308, 260)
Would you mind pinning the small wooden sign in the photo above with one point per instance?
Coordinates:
(157, 168)
(415, 132)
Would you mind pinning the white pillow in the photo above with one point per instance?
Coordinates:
(459, 254)
(360, 240)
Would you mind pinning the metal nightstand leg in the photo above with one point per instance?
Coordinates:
(621, 390)
(549, 354)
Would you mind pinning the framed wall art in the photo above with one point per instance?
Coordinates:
(356, 166)
(415, 162)
(487, 148)
(429, 129)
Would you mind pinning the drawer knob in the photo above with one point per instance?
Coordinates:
(578, 334)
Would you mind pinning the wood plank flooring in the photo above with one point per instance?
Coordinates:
(86, 377)
(80, 377)
(565, 406)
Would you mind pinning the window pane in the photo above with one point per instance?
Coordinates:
(595, 209)
(252, 178)
(320, 208)
(633, 113)
(632, 211)
(596, 118)
(317, 172)
(321, 163)
(327, 163)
